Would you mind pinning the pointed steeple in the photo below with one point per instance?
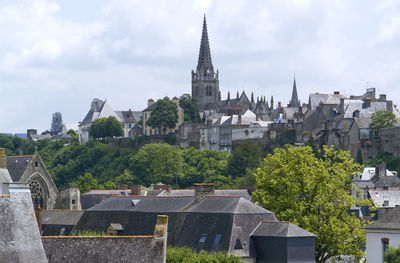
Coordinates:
(237, 95)
(294, 102)
(272, 102)
(204, 66)
(252, 97)
(229, 96)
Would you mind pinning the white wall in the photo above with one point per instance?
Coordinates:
(374, 243)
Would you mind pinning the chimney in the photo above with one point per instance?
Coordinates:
(380, 170)
(256, 117)
(240, 118)
(382, 97)
(202, 191)
(352, 97)
(336, 92)
(163, 187)
(3, 158)
(161, 227)
(341, 105)
(367, 102)
(150, 102)
(136, 189)
(123, 187)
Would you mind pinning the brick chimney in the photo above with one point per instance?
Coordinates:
(202, 191)
(136, 189)
(3, 158)
(123, 187)
(240, 118)
(162, 187)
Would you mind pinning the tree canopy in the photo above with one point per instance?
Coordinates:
(245, 156)
(106, 127)
(315, 194)
(392, 254)
(164, 116)
(186, 255)
(382, 119)
(189, 106)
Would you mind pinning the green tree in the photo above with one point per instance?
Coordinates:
(392, 255)
(74, 135)
(164, 116)
(246, 156)
(85, 183)
(187, 255)
(359, 157)
(125, 178)
(105, 128)
(189, 106)
(315, 194)
(382, 119)
(159, 163)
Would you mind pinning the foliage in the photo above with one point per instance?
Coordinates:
(14, 145)
(73, 134)
(186, 255)
(155, 163)
(382, 119)
(85, 183)
(190, 109)
(359, 158)
(92, 234)
(164, 116)
(246, 156)
(392, 163)
(315, 194)
(106, 128)
(392, 255)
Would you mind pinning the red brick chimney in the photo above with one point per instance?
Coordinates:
(136, 189)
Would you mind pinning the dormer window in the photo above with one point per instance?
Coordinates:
(356, 114)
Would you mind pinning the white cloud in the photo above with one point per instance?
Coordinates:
(57, 55)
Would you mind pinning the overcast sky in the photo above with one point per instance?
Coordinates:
(59, 55)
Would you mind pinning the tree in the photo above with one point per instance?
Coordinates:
(185, 254)
(392, 255)
(85, 183)
(190, 109)
(159, 163)
(164, 116)
(74, 135)
(359, 157)
(246, 156)
(315, 194)
(382, 119)
(106, 127)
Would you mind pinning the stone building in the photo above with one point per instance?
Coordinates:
(30, 169)
(56, 123)
(151, 105)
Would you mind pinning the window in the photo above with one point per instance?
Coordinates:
(217, 239)
(238, 244)
(385, 246)
(73, 201)
(356, 114)
(36, 164)
(36, 194)
(62, 231)
(129, 125)
(203, 238)
(208, 91)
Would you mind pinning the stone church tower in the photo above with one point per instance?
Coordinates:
(205, 84)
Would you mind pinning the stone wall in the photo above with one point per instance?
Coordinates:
(104, 249)
(76, 249)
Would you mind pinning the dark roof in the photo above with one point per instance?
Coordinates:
(129, 116)
(151, 107)
(17, 165)
(389, 181)
(280, 229)
(89, 200)
(61, 217)
(390, 220)
(231, 192)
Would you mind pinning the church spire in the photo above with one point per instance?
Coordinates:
(204, 66)
(294, 102)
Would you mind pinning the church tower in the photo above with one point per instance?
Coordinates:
(205, 84)
(294, 102)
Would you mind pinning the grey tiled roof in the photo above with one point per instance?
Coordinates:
(391, 220)
(280, 229)
(61, 217)
(17, 165)
(233, 192)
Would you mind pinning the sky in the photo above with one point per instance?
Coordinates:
(56, 56)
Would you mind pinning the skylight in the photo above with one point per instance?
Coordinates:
(203, 238)
(217, 239)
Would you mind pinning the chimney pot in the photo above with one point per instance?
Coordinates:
(336, 92)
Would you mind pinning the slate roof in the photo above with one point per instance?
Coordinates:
(280, 229)
(380, 196)
(61, 217)
(129, 116)
(387, 181)
(4, 176)
(390, 220)
(17, 165)
(363, 123)
(151, 107)
(369, 172)
(316, 98)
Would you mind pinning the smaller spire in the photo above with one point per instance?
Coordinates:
(294, 102)
(229, 96)
(237, 95)
(252, 97)
(272, 102)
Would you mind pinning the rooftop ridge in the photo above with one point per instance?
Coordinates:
(95, 237)
(19, 156)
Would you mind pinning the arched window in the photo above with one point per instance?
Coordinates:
(36, 194)
(208, 91)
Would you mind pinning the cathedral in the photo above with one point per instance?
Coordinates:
(205, 89)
